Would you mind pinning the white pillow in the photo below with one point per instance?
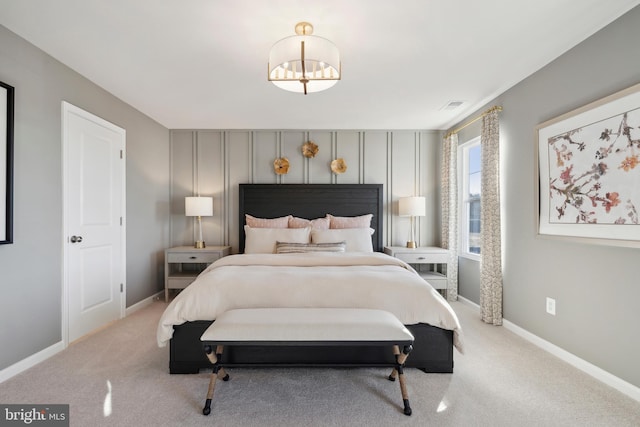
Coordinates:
(357, 239)
(263, 240)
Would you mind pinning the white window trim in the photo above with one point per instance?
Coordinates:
(463, 190)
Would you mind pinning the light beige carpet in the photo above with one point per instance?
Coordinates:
(502, 380)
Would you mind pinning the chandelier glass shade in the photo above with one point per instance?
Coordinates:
(304, 63)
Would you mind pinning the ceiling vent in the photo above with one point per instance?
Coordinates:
(452, 105)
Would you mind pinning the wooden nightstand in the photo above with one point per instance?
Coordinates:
(182, 264)
(429, 261)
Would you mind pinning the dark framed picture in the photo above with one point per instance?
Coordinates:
(589, 172)
(6, 163)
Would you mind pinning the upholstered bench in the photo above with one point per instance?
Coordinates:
(309, 327)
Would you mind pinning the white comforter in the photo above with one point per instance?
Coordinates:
(349, 280)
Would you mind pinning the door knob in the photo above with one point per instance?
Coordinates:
(76, 239)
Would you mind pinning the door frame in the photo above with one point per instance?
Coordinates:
(66, 109)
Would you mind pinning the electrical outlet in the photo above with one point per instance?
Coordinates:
(551, 306)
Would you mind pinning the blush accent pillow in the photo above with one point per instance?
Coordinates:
(362, 221)
(263, 240)
(294, 248)
(318, 223)
(253, 222)
(357, 239)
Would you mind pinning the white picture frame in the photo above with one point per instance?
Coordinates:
(588, 167)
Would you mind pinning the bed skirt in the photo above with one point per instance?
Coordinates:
(432, 353)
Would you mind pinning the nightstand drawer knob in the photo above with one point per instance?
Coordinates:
(421, 258)
(193, 257)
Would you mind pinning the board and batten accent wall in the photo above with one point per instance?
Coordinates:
(213, 163)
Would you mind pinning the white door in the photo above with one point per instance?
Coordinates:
(94, 174)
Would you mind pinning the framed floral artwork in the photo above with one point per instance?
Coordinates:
(589, 172)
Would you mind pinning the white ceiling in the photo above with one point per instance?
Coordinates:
(202, 64)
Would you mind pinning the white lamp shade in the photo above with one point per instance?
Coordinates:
(198, 206)
(412, 206)
(322, 63)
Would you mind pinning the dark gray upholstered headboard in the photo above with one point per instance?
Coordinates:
(312, 201)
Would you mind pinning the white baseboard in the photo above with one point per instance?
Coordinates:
(43, 355)
(142, 304)
(30, 361)
(598, 373)
(468, 302)
(589, 368)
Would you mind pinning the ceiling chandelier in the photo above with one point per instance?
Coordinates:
(304, 63)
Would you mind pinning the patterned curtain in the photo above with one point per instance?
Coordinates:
(450, 212)
(491, 262)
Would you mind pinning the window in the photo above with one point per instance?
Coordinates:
(470, 167)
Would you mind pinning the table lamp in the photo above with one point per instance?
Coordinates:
(412, 206)
(198, 206)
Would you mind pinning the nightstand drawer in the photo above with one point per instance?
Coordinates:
(194, 257)
(422, 258)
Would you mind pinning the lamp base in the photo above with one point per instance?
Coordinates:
(412, 245)
(199, 245)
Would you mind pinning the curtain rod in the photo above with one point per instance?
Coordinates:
(490, 110)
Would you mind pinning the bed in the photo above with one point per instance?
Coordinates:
(257, 285)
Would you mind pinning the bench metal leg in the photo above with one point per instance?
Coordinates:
(218, 371)
(396, 352)
(399, 370)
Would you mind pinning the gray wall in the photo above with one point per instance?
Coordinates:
(31, 268)
(596, 287)
(214, 162)
(469, 279)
